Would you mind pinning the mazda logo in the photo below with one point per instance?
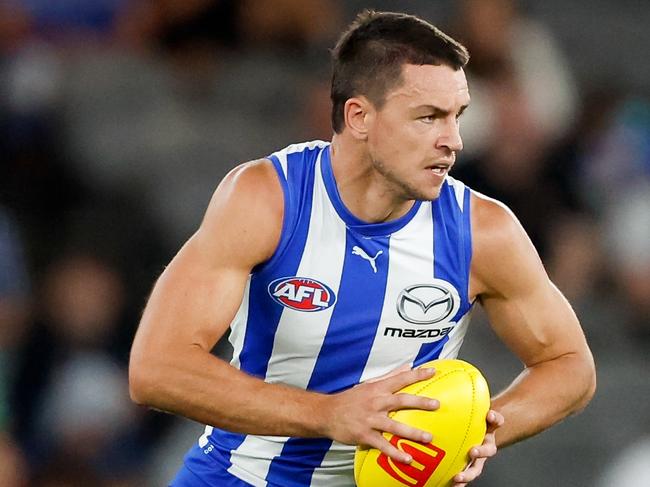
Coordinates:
(426, 304)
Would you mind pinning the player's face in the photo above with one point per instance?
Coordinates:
(413, 139)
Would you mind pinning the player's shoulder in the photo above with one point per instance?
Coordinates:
(259, 183)
(250, 193)
(501, 249)
(246, 211)
(249, 203)
(251, 184)
(256, 175)
(493, 223)
(268, 170)
(498, 238)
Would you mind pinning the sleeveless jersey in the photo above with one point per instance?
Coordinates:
(340, 301)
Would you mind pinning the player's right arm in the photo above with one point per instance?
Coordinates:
(193, 303)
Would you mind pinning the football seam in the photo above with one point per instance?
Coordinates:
(471, 417)
(430, 381)
(437, 377)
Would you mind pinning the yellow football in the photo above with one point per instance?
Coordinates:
(456, 427)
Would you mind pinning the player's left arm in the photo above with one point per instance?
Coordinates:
(534, 320)
(532, 317)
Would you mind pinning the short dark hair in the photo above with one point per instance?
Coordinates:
(369, 56)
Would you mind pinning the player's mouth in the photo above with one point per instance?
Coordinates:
(440, 169)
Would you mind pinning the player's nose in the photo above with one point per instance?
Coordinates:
(449, 136)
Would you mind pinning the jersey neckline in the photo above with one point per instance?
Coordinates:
(352, 221)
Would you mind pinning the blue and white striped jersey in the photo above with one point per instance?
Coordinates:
(341, 301)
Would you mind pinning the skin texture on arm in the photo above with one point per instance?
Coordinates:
(534, 320)
(192, 305)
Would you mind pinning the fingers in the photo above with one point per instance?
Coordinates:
(406, 401)
(398, 370)
(380, 443)
(403, 379)
(367, 407)
(470, 473)
(486, 450)
(480, 454)
(395, 402)
(388, 425)
(407, 432)
(494, 420)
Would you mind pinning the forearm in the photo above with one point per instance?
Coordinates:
(204, 388)
(543, 395)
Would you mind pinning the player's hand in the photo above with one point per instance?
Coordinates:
(359, 415)
(480, 454)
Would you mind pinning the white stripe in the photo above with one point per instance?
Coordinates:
(459, 191)
(252, 460)
(312, 144)
(238, 326)
(336, 469)
(203, 439)
(406, 266)
(282, 157)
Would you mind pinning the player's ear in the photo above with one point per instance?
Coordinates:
(358, 113)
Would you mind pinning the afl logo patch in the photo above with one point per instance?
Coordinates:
(302, 293)
(428, 304)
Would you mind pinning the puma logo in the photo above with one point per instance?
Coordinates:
(362, 253)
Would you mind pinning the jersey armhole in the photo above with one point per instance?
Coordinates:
(288, 219)
(467, 238)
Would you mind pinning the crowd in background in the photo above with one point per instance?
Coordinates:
(118, 118)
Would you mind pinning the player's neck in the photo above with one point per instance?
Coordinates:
(364, 191)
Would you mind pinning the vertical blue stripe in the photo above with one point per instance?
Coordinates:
(450, 230)
(211, 464)
(430, 351)
(290, 214)
(346, 348)
(344, 353)
(452, 249)
(295, 466)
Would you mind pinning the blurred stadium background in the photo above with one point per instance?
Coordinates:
(119, 117)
